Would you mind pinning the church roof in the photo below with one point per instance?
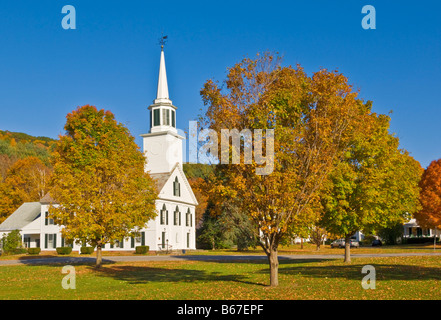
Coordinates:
(24, 215)
(160, 179)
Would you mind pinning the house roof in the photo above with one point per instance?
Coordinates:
(47, 199)
(24, 215)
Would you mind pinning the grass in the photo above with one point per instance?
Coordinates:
(308, 248)
(397, 278)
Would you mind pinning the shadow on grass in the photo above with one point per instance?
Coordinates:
(144, 274)
(61, 260)
(353, 272)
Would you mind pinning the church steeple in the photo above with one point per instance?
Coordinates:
(162, 92)
(162, 145)
(162, 111)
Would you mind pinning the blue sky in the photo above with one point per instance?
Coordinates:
(111, 60)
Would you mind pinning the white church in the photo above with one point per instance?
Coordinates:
(172, 229)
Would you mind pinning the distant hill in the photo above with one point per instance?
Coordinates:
(18, 145)
(198, 170)
(24, 137)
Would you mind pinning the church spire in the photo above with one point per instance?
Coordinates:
(162, 93)
(162, 111)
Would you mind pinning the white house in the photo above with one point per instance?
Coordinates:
(173, 228)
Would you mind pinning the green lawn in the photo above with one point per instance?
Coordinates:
(397, 278)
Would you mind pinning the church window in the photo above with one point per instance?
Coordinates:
(173, 118)
(188, 219)
(165, 117)
(176, 188)
(177, 217)
(156, 115)
(164, 215)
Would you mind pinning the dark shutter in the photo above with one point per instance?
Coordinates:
(55, 240)
(166, 217)
(156, 121)
(132, 242)
(45, 240)
(143, 238)
(173, 119)
(121, 244)
(62, 241)
(45, 218)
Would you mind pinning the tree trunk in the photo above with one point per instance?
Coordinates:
(317, 247)
(99, 257)
(348, 249)
(301, 243)
(274, 267)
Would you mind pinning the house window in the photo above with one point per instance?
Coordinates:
(48, 221)
(50, 240)
(27, 242)
(176, 188)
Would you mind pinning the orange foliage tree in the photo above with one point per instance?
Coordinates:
(101, 190)
(26, 180)
(313, 119)
(430, 197)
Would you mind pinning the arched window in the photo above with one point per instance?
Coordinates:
(188, 219)
(177, 217)
(164, 215)
(176, 188)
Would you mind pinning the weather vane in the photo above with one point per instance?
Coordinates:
(162, 41)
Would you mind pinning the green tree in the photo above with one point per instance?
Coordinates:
(392, 233)
(11, 242)
(101, 190)
(375, 186)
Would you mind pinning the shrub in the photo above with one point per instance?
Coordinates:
(142, 249)
(420, 240)
(34, 250)
(64, 250)
(87, 250)
(12, 243)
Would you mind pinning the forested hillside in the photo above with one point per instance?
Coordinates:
(24, 169)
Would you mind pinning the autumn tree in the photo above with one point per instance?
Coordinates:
(430, 198)
(27, 180)
(312, 118)
(375, 186)
(101, 190)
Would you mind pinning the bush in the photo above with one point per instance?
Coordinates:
(12, 243)
(34, 250)
(64, 250)
(87, 250)
(142, 249)
(420, 240)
